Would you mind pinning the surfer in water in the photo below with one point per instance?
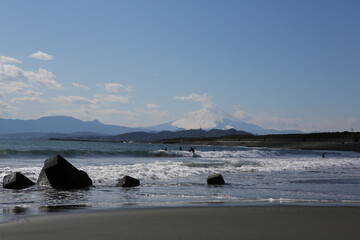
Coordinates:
(192, 150)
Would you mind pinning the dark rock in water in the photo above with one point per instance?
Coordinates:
(59, 173)
(128, 182)
(16, 181)
(215, 179)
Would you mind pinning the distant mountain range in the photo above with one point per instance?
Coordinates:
(55, 126)
(156, 136)
(213, 118)
(60, 125)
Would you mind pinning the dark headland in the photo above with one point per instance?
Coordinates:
(333, 141)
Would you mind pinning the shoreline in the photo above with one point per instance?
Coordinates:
(276, 222)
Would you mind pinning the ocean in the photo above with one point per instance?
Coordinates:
(177, 178)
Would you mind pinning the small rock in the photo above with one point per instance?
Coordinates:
(128, 182)
(17, 181)
(215, 179)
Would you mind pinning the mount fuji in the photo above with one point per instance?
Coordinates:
(213, 118)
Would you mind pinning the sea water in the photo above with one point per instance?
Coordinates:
(177, 178)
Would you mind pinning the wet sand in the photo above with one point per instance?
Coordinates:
(192, 223)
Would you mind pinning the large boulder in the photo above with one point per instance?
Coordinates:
(16, 181)
(216, 179)
(59, 173)
(128, 182)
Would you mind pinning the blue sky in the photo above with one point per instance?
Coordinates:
(278, 64)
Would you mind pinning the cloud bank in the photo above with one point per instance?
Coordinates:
(20, 87)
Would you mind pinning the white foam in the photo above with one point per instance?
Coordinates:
(106, 171)
(158, 170)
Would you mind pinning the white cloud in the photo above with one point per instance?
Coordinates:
(42, 56)
(152, 106)
(117, 87)
(98, 99)
(204, 99)
(18, 88)
(103, 99)
(28, 100)
(116, 98)
(69, 100)
(42, 76)
(94, 102)
(11, 73)
(78, 85)
(4, 59)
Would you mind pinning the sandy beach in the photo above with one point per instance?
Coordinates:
(192, 223)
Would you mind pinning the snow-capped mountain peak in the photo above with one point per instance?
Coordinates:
(208, 118)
